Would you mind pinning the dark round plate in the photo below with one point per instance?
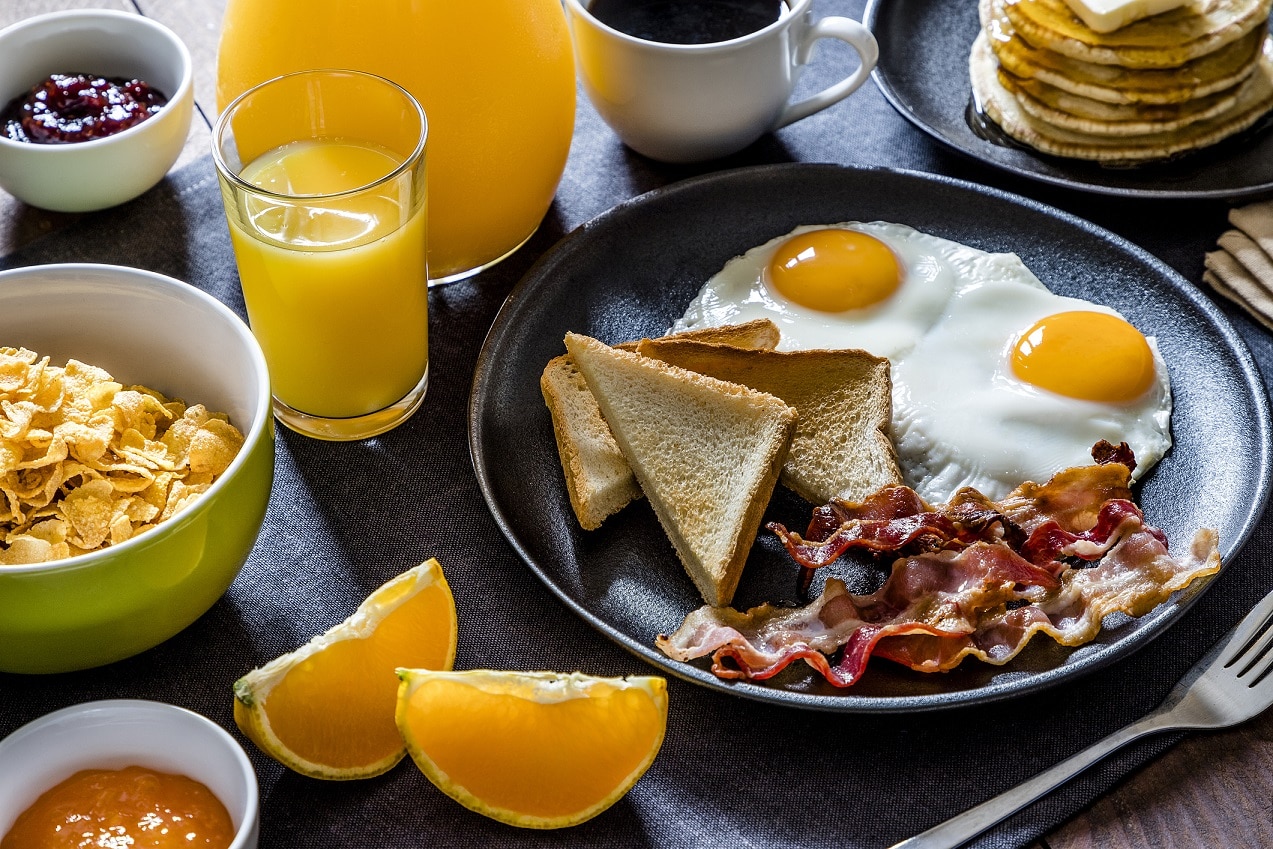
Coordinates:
(630, 272)
(923, 73)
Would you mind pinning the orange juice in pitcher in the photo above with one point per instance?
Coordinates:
(496, 79)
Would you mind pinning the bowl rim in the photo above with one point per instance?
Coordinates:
(262, 406)
(59, 20)
(159, 711)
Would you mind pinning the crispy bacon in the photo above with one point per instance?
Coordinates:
(1117, 517)
(1106, 452)
(972, 595)
(939, 593)
(1072, 498)
(1136, 576)
(939, 627)
(894, 520)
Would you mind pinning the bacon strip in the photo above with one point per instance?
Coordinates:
(1072, 498)
(938, 593)
(1136, 576)
(975, 597)
(937, 629)
(1117, 517)
(894, 520)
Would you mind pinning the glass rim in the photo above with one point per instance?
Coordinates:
(228, 173)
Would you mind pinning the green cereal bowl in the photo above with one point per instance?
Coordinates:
(152, 330)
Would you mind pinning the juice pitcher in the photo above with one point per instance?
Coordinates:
(496, 79)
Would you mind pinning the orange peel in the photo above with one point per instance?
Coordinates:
(532, 749)
(326, 710)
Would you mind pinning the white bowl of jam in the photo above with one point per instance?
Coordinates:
(95, 107)
(176, 778)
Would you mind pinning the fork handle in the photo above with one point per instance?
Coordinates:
(959, 829)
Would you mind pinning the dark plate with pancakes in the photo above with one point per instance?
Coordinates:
(923, 72)
(632, 271)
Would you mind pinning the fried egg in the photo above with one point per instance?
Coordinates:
(874, 286)
(996, 380)
(1014, 383)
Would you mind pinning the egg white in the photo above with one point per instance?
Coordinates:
(960, 415)
(740, 292)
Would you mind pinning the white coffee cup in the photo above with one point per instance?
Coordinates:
(692, 102)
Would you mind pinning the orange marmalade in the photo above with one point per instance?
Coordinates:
(126, 808)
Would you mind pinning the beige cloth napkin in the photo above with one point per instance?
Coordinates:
(1242, 270)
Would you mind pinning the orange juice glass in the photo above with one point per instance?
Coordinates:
(495, 77)
(323, 178)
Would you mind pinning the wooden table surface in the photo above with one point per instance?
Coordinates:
(1212, 790)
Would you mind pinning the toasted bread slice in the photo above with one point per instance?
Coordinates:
(761, 334)
(706, 453)
(598, 479)
(844, 399)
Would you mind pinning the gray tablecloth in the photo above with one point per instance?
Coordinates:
(345, 517)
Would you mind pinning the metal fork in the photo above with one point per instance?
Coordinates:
(1231, 684)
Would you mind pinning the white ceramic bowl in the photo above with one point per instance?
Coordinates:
(120, 733)
(107, 171)
(158, 332)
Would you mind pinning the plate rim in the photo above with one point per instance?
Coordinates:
(870, 17)
(1175, 608)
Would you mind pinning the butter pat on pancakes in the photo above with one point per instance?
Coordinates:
(1109, 15)
(996, 380)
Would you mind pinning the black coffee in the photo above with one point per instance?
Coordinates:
(687, 21)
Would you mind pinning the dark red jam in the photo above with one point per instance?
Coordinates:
(69, 108)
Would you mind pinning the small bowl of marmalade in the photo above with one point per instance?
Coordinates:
(95, 107)
(126, 773)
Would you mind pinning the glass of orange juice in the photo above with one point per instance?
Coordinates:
(323, 178)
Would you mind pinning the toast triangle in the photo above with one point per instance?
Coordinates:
(599, 481)
(844, 398)
(706, 453)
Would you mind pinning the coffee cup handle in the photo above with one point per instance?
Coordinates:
(856, 36)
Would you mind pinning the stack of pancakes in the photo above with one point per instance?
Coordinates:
(1156, 88)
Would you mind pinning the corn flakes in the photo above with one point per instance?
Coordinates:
(86, 462)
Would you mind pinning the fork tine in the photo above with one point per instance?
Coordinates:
(1258, 662)
(1249, 631)
(1253, 651)
(1266, 666)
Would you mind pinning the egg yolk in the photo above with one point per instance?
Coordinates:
(1092, 356)
(835, 270)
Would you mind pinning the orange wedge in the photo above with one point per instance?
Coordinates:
(326, 710)
(532, 749)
